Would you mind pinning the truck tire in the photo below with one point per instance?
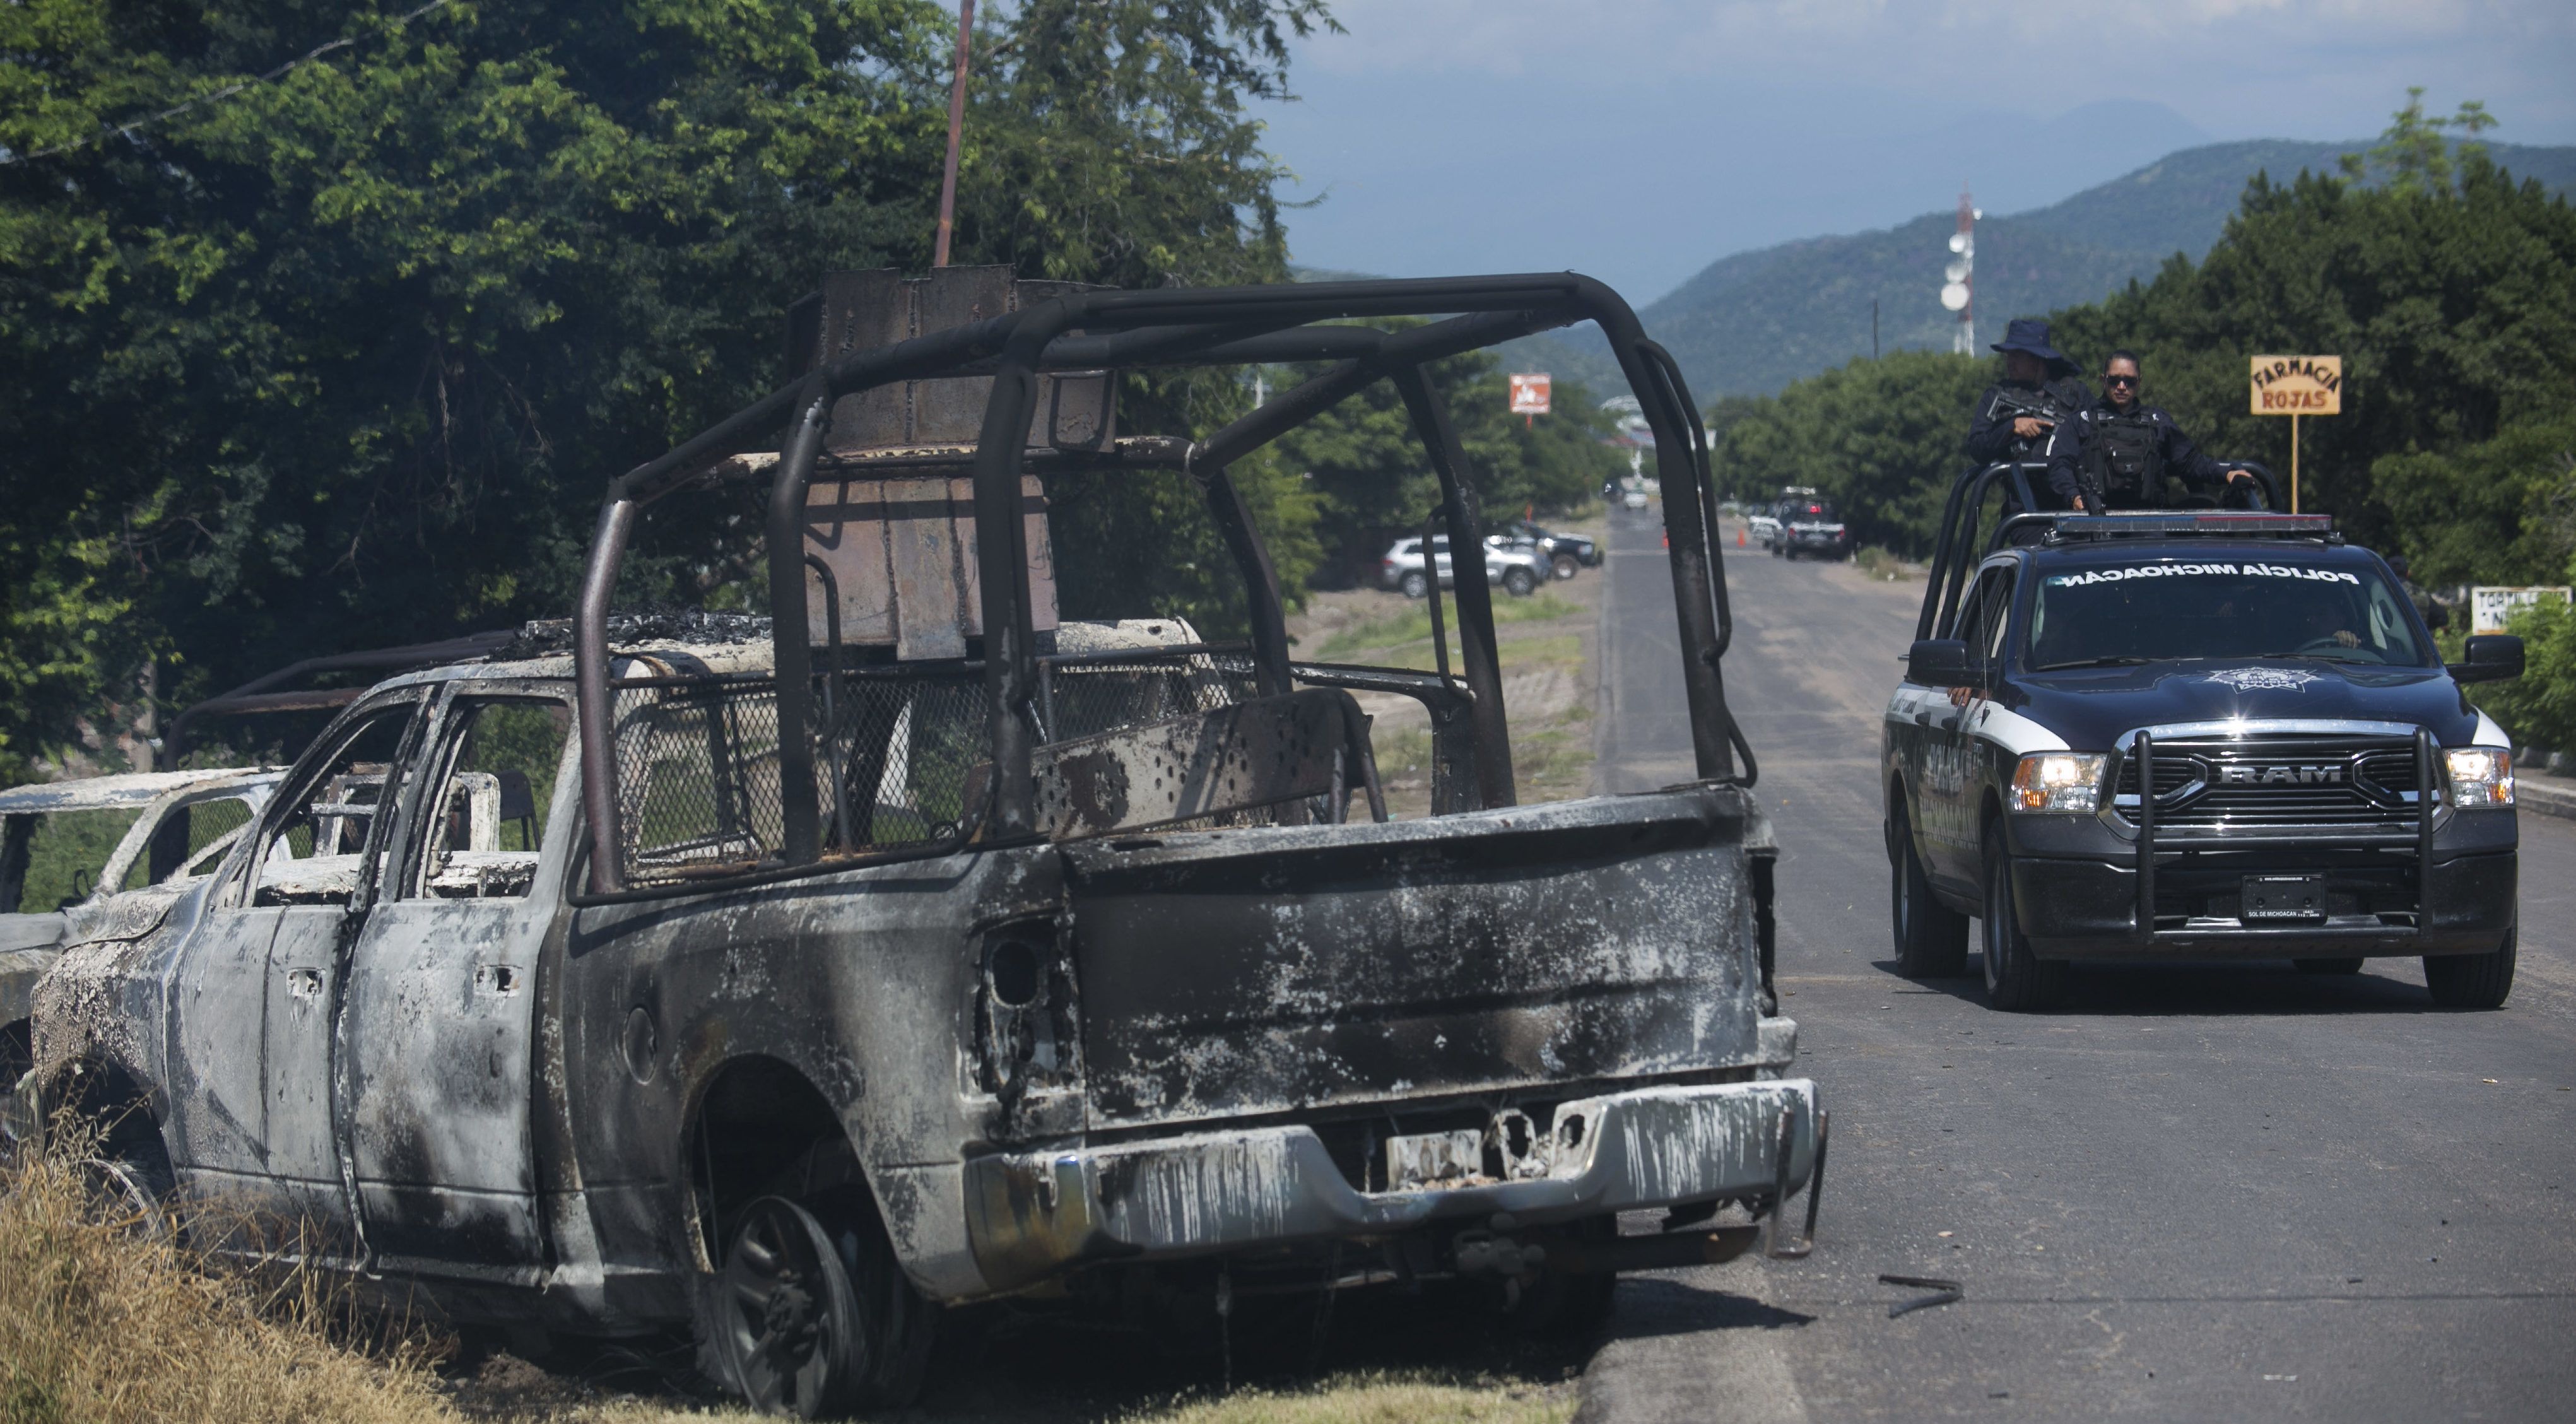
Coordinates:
(1520, 583)
(2017, 981)
(2471, 981)
(815, 1320)
(1566, 565)
(1415, 585)
(1931, 938)
(2328, 966)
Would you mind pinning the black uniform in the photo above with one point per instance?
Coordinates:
(1990, 434)
(2122, 459)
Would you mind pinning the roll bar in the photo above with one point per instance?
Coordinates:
(1965, 538)
(1086, 331)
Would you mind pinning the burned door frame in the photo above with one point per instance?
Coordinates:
(1091, 332)
(295, 1170)
(436, 1057)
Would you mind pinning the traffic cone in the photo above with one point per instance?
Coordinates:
(1739, 536)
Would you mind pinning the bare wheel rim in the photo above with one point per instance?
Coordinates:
(777, 1306)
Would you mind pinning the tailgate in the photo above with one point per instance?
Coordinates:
(1244, 972)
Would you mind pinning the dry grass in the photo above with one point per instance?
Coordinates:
(1878, 563)
(98, 1322)
(101, 1321)
(1377, 1398)
(1357, 1397)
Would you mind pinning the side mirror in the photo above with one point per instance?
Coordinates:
(2493, 657)
(1938, 662)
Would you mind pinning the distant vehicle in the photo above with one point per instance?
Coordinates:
(1519, 566)
(1567, 553)
(2191, 735)
(87, 840)
(1632, 497)
(1810, 527)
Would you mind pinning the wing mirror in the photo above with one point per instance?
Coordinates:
(1943, 662)
(2492, 657)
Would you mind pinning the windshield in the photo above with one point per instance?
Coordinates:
(2168, 610)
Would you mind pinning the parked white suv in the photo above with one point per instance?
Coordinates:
(1519, 565)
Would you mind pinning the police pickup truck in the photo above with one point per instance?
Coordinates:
(2194, 735)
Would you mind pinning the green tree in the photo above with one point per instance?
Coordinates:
(2416, 155)
(2500, 511)
(345, 356)
(1371, 484)
(2454, 311)
(1879, 438)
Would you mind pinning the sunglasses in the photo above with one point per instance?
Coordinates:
(2119, 380)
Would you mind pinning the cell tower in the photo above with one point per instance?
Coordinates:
(1959, 292)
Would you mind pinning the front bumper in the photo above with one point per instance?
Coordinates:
(1032, 1215)
(2079, 909)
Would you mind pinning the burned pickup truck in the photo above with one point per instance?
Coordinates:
(921, 945)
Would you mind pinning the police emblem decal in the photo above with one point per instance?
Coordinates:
(2254, 679)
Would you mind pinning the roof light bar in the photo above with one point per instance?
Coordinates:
(2076, 526)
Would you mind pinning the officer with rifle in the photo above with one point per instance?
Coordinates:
(2038, 394)
(2116, 452)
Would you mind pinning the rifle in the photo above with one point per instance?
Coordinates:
(2038, 405)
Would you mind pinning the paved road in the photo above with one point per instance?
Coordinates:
(2199, 1192)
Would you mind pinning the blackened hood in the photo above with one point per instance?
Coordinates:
(2092, 707)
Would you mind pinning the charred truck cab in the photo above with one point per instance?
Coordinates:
(2193, 734)
(918, 945)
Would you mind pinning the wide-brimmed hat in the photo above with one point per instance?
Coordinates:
(2031, 334)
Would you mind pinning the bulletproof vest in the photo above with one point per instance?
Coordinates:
(2127, 462)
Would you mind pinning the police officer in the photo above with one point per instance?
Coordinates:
(2117, 451)
(2039, 393)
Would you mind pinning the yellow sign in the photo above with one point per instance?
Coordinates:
(2298, 385)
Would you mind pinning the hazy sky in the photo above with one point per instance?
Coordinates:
(1640, 139)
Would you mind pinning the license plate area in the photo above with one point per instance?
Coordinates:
(1435, 1161)
(2273, 899)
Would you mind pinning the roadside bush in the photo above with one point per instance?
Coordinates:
(2538, 708)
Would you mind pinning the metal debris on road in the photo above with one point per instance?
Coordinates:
(1943, 1292)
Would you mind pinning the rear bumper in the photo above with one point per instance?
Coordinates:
(1032, 1215)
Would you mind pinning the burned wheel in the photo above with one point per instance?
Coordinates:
(2471, 981)
(815, 1320)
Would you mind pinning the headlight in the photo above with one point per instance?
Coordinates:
(2058, 781)
(2481, 777)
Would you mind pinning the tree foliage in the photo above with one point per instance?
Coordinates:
(1371, 482)
(345, 357)
(1878, 438)
(2449, 289)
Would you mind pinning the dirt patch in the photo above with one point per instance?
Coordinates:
(1548, 646)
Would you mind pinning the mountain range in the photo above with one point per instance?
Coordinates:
(1752, 322)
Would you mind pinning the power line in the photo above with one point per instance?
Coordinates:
(229, 90)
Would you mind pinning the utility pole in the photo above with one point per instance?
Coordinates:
(956, 122)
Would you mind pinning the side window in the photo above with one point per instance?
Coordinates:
(314, 855)
(486, 822)
(1998, 618)
(1983, 616)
